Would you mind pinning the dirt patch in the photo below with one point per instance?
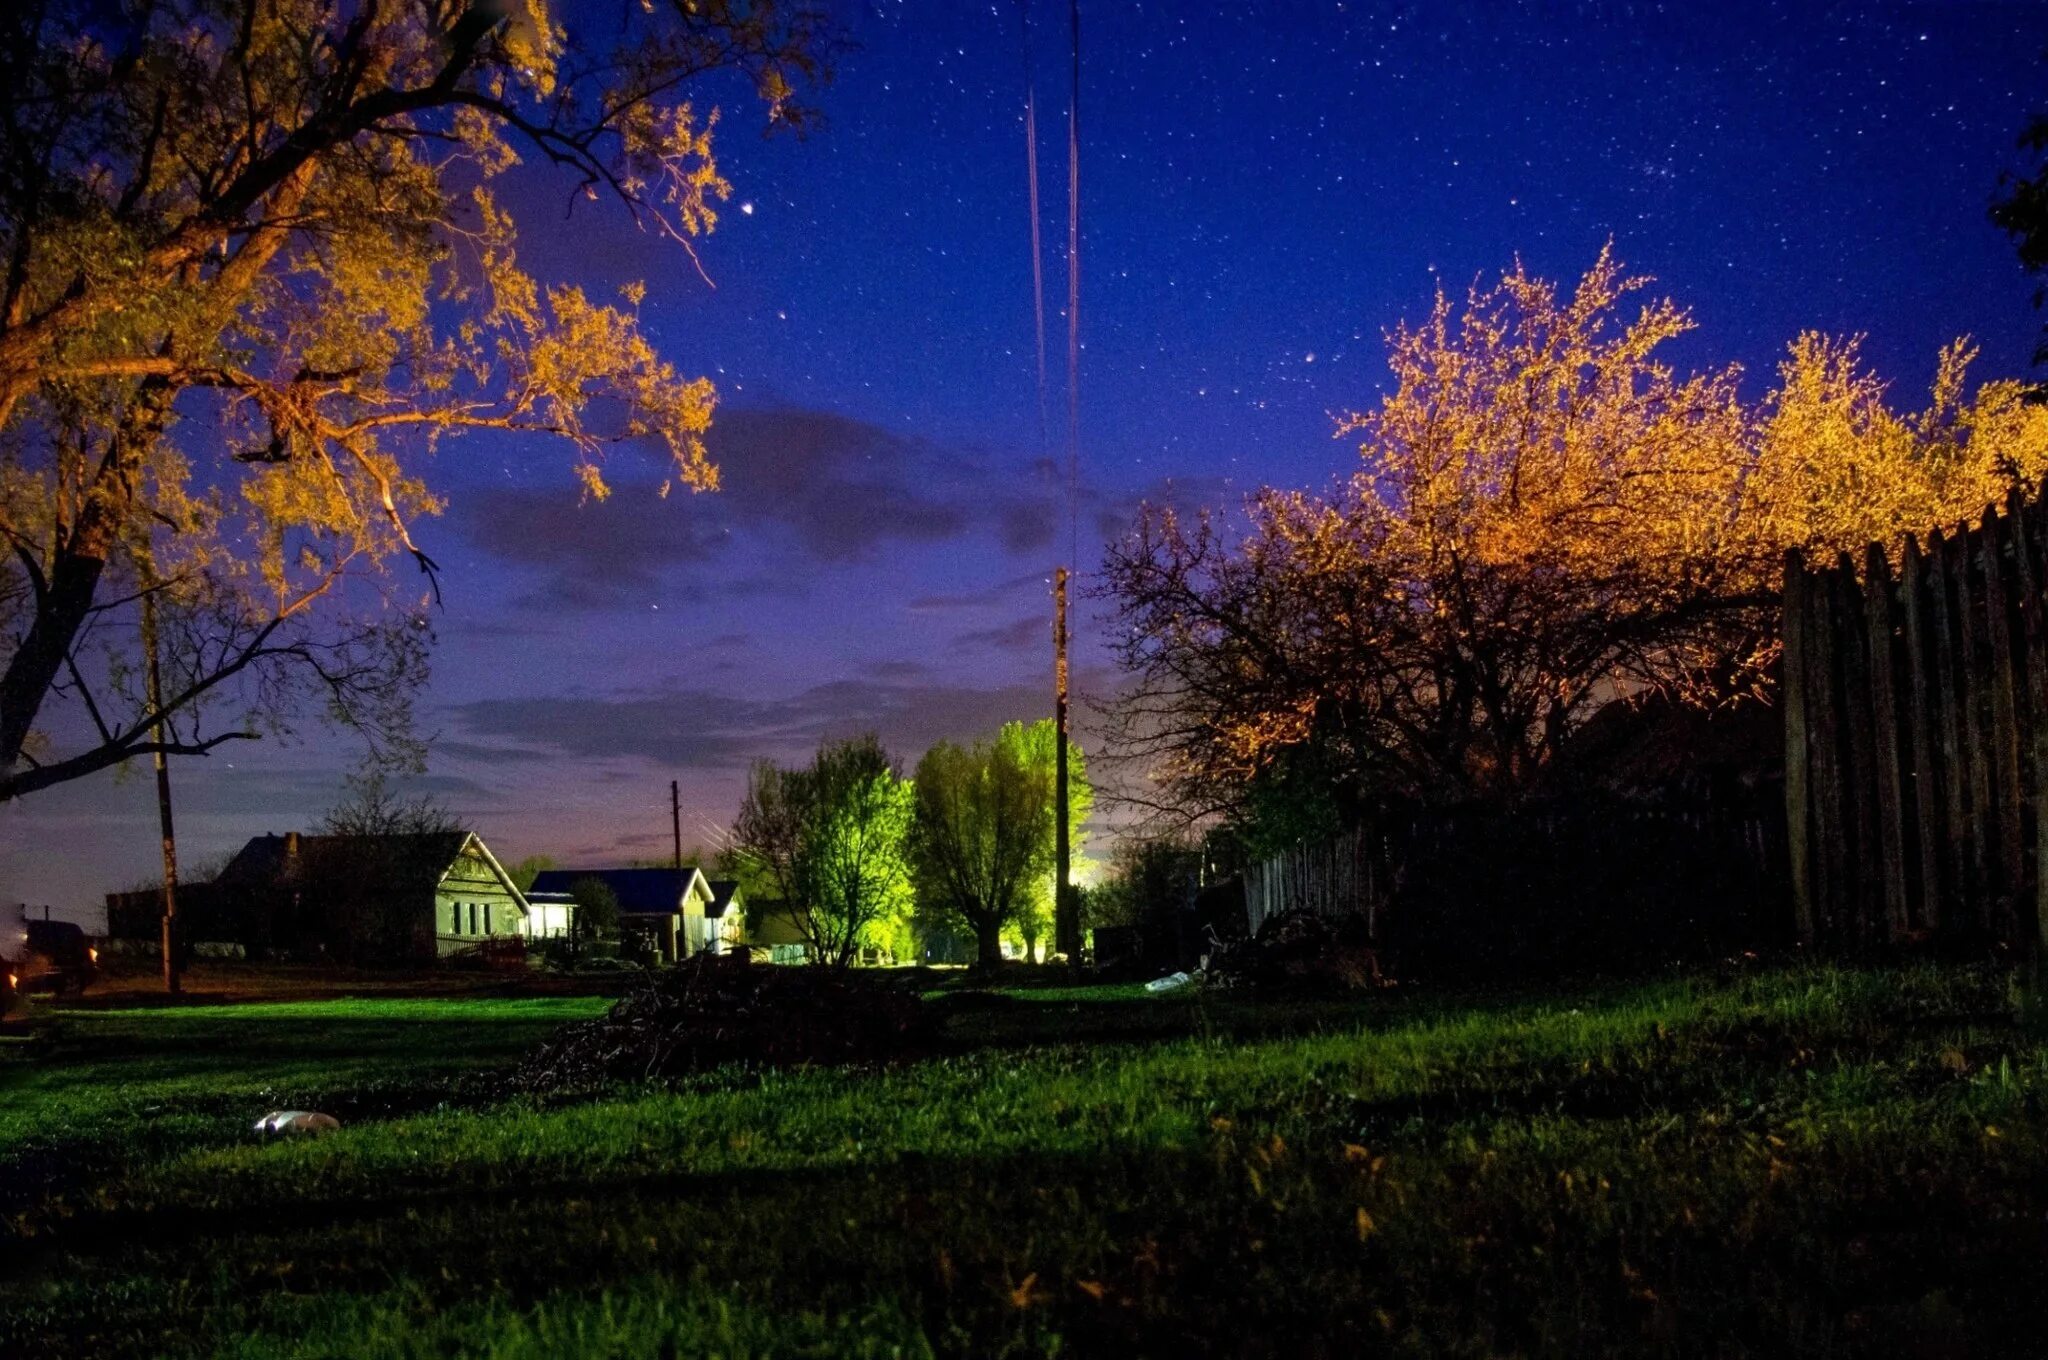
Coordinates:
(713, 1010)
(1299, 950)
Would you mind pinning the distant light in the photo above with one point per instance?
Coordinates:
(747, 208)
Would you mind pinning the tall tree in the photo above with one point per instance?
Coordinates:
(371, 806)
(832, 837)
(982, 837)
(1546, 518)
(1036, 746)
(2021, 211)
(253, 268)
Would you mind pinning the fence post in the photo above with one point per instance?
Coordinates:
(2005, 747)
(1927, 780)
(1884, 751)
(1794, 680)
(1969, 696)
(2031, 567)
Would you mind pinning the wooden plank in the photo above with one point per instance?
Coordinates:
(2030, 559)
(1793, 681)
(1970, 697)
(1887, 795)
(1948, 712)
(2004, 753)
(1925, 785)
(1824, 747)
(1860, 772)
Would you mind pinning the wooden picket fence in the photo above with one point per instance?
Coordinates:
(1916, 738)
(1585, 881)
(1343, 876)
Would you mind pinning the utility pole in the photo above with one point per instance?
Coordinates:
(173, 974)
(1066, 919)
(675, 818)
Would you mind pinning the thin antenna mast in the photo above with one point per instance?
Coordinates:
(1067, 910)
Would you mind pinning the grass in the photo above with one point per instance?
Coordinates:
(1823, 1161)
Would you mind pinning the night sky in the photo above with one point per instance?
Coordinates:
(1264, 190)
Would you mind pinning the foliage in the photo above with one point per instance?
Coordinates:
(981, 839)
(526, 870)
(1545, 517)
(597, 910)
(832, 837)
(1584, 1171)
(1038, 749)
(257, 268)
(2022, 213)
(370, 806)
(1149, 877)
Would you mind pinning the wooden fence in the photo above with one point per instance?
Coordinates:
(1592, 880)
(1916, 738)
(1343, 876)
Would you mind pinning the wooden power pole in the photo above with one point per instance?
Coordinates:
(1066, 919)
(173, 979)
(675, 820)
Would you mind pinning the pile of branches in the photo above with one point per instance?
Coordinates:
(1299, 950)
(718, 1009)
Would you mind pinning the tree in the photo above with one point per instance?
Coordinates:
(526, 870)
(255, 270)
(2021, 212)
(1036, 747)
(982, 836)
(831, 836)
(597, 912)
(1150, 877)
(1546, 518)
(371, 807)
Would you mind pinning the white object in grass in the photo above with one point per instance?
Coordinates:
(297, 1121)
(1168, 983)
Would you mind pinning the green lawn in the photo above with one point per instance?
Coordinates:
(1826, 1161)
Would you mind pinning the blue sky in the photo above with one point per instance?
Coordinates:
(1265, 189)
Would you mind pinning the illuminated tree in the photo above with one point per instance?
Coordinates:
(832, 836)
(1036, 748)
(982, 836)
(255, 270)
(1547, 519)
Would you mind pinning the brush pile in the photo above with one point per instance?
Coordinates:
(1302, 951)
(719, 1009)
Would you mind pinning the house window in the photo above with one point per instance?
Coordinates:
(472, 918)
(487, 918)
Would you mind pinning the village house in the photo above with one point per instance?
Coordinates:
(376, 900)
(669, 913)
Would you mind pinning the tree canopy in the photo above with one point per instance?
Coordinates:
(256, 269)
(832, 837)
(1546, 517)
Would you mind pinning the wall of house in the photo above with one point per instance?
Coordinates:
(471, 905)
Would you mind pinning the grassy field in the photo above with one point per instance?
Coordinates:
(1823, 1162)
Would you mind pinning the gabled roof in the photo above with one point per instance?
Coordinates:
(384, 864)
(641, 892)
(724, 892)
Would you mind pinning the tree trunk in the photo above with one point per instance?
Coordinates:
(988, 944)
(60, 613)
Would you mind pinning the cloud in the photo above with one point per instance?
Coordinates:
(1000, 592)
(701, 729)
(1029, 633)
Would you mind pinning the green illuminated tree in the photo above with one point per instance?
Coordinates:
(982, 842)
(832, 838)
